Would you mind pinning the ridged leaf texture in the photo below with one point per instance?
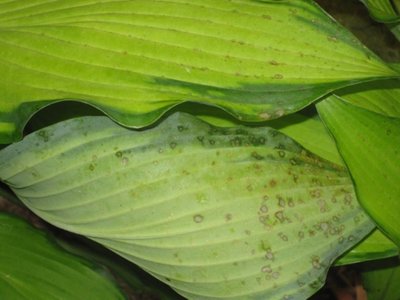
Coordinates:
(216, 213)
(134, 60)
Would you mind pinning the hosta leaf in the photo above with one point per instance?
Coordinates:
(217, 213)
(383, 10)
(382, 97)
(34, 267)
(375, 246)
(134, 60)
(369, 144)
(311, 134)
(308, 132)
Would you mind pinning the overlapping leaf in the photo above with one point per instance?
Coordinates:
(375, 246)
(136, 59)
(383, 10)
(369, 144)
(380, 97)
(217, 213)
(33, 267)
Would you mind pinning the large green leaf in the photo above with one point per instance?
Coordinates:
(309, 132)
(369, 144)
(383, 10)
(34, 267)
(233, 213)
(134, 60)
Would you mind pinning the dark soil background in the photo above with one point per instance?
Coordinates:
(376, 36)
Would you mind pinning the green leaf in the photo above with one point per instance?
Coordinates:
(34, 267)
(312, 135)
(217, 213)
(382, 97)
(375, 246)
(308, 132)
(381, 279)
(395, 29)
(383, 10)
(134, 60)
(369, 144)
(140, 284)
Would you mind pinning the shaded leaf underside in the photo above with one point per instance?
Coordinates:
(136, 59)
(34, 267)
(234, 213)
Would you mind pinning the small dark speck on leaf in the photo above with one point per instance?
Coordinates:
(278, 76)
(198, 218)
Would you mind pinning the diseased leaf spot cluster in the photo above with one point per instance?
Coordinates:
(252, 187)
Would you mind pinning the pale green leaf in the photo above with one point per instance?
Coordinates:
(312, 135)
(383, 10)
(217, 213)
(34, 267)
(134, 60)
(369, 144)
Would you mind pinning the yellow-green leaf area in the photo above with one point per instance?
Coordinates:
(134, 60)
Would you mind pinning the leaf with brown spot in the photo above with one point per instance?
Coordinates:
(175, 226)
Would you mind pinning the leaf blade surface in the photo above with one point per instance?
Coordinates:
(135, 60)
(369, 143)
(34, 267)
(213, 212)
